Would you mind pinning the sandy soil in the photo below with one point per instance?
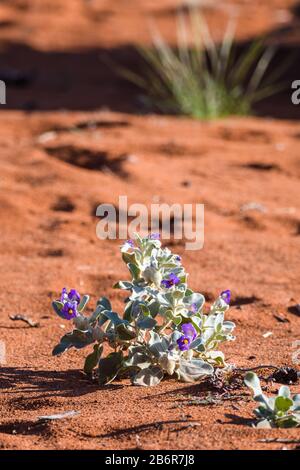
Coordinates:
(51, 184)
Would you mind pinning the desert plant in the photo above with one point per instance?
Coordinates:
(164, 329)
(282, 411)
(201, 78)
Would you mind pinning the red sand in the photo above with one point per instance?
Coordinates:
(48, 226)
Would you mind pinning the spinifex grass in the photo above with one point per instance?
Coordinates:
(201, 78)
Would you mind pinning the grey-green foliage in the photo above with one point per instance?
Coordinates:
(282, 411)
(201, 78)
(145, 338)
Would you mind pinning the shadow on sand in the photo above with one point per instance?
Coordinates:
(82, 80)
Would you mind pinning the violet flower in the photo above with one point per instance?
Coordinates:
(69, 310)
(189, 334)
(154, 236)
(226, 294)
(172, 280)
(73, 295)
(70, 302)
(127, 245)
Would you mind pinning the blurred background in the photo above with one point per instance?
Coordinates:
(54, 53)
(162, 101)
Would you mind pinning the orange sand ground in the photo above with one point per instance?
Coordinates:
(50, 187)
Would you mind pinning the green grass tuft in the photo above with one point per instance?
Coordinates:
(201, 78)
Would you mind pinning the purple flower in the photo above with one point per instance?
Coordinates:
(183, 343)
(225, 295)
(189, 330)
(70, 302)
(189, 334)
(154, 236)
(74, 295)
(172, 280)
(178, 258)
(69, 310)
(64, 295)
(127, 246)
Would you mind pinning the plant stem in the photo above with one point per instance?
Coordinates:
(163, 327)
(263, 366)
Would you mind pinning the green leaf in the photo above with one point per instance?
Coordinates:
(284, 391)
(114, 318)
(188, 293)
(83, 303)
(178, 294)
(228, 327)
(283, 403)
(104, 303)
(145, 310)
(128, 257)
(152, 275)
(263, 424)
(128, 310)
(124, 333)
(219, 323)
(137, 358)
(148, 377)
(194, 299)
(146, 323)
(197, 323)
(289, 421)
(61, 347)
(198, 345)
(57, 306)
(165, 300)
(92, 359)
(124, 285)
(157, 344)
(296, 400)
(153, 307)
(77, 339)
(109, 367)
(80, 339)
(193, 370)
(168, 363)
(175, 319)
(134, 270)
(102, 319)
(217, 356)
(252, 381)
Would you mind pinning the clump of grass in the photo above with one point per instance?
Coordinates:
(201, 78)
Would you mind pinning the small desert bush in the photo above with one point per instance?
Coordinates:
(282, 411)
(164, 330)
(201, 78)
